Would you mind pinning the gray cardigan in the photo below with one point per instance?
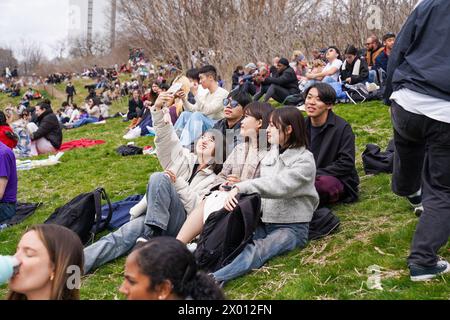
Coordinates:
(286, 186)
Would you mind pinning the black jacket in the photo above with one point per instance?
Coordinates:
(336, 156)
(348, 72)
(70, 90)
(287, 79)
(133, 105)
(420, 58)
(49, 129)
(235, 137)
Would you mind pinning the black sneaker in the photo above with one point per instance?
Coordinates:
(416, 203)
(419, 273)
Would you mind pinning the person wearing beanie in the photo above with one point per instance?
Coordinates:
(284, 85)
(354, 70)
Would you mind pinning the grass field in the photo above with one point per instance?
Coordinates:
(375, 231)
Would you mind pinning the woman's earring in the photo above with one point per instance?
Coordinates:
(52, 277)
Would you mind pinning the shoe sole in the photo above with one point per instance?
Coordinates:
(429, 277)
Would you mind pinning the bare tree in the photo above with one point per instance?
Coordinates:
(7, 59)
(31, 55)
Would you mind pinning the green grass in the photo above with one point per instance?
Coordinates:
(375, 231)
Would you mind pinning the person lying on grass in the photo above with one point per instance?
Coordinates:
(164, 269)
(289, 198)
(171, 195)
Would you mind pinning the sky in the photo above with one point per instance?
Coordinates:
(42, 21)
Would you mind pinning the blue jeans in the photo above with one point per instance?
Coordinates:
(164, 210)
(83, 122)
(190, 126)
(372, 76)
(270, 240)
(7, 211)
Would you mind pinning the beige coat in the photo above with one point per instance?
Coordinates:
(181, 162)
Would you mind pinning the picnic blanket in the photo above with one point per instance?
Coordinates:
(32, 164)
(82, 143)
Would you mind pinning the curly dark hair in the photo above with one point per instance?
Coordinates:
(166, 258)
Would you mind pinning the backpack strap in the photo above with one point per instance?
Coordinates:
(100, 194)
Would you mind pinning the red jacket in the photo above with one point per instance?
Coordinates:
(11, 143)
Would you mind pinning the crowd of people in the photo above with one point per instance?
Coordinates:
(215, 146)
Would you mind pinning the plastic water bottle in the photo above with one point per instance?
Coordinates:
(9, 266)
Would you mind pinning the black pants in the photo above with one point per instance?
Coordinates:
(422, 159)
(276, 92)
(70, 98)
(261, 92)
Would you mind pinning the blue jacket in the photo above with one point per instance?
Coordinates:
(382, 61)
(420, 58)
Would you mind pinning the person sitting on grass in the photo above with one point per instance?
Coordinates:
(164, 269)
(283, 85)
(332, 141)
(354, 70)
(171, 195)
(8, 183)
(49, 255)
(7, 135)
(135, 105)
(289, 198)
(47, 135)
(93, 115)
(230, 126)
(19, 125)
(244, 163)
(202, 115)
(330, 72)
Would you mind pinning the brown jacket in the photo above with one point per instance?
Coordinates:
(371, 56)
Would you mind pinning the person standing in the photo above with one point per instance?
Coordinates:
(70, 91)
(420, 105)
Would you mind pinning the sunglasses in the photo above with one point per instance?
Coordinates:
(232, 103)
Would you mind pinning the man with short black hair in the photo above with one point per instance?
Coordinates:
(230, 126)
(332, 142)
(284, 84)
(381, 62)
(202, 115)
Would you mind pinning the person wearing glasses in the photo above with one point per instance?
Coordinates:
(171, 195)
(230, 126)
(374, 49)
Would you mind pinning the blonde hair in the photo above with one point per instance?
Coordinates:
(318, 63)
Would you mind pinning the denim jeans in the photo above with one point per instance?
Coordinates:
(83, 122)
(270, 240)
(421, 160)
(164, 210)
(7, 211)
(372, 76)
(190, 126)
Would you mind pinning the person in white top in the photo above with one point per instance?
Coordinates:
(207, 110)
(331, 71)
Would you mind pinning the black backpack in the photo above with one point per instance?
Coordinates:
(129, 150)
(375, 161)
(83, 215)
(225, 234)
(324, 222)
